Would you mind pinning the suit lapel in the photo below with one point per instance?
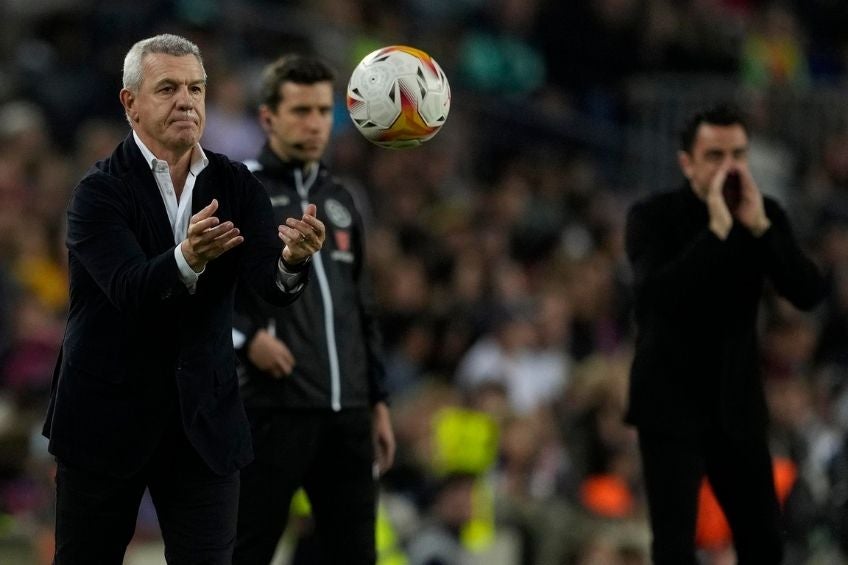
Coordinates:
(204, 191)
(142, 182)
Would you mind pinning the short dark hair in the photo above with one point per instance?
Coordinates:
(300, 69)
(722, 114)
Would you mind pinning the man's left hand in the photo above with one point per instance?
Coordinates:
(302, 237)
(751, 212)
(384, 437)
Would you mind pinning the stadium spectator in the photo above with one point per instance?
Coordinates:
(438, 542)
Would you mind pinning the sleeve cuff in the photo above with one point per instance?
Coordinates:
(287, 267)
(289, 280)
(187, 274)
(239, 339)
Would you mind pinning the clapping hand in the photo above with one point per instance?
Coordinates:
(302, 237)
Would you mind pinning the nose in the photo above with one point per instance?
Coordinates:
(184, 100)
(314, 120)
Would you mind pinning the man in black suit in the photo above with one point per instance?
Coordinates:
(145, 391)
(701, 256)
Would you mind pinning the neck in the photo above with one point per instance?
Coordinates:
(290, 160)
(178, 165)
(178, 158)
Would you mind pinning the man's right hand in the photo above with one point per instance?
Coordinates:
(270, 355)
(207, 239)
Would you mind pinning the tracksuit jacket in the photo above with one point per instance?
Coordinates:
(331, 329)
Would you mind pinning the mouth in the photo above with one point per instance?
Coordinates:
(309, 146)
(183, 118)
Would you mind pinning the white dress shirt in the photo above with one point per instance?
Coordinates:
(179, 214)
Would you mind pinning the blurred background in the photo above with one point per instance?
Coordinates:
(496, 248)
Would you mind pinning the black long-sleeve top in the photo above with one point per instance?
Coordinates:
(696, 301)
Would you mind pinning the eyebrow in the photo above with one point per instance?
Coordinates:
(310, 106)
(719, 150)
(168, 80)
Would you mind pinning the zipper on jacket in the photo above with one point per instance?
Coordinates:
(303, 187)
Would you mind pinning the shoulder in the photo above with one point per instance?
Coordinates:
(100, 195)
(772, 204)
(223, 168)
(121, 163)
(101, 182)
(776, 212)
(334, 184)
(98, 180)
(220, 161)
(657, 203)
(253, 165)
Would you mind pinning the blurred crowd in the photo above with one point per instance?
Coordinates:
(496, 248)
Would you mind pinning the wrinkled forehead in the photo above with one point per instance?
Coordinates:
(157, 67)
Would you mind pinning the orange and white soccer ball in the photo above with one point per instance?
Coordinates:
(398, 97)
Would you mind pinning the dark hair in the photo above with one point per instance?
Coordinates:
(300, 69)
(723, 114)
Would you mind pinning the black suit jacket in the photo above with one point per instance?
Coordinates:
(139, 350)
(696, 298)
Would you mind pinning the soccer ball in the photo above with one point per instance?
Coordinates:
(398, 97)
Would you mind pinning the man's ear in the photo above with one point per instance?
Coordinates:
(685, 162)
(265, 118)
(128, 102)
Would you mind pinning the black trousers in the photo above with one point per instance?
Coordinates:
(329, 454)
(96, 512)
(740, 473)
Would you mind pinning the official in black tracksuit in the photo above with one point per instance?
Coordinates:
(701, 258)
(313, 378)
